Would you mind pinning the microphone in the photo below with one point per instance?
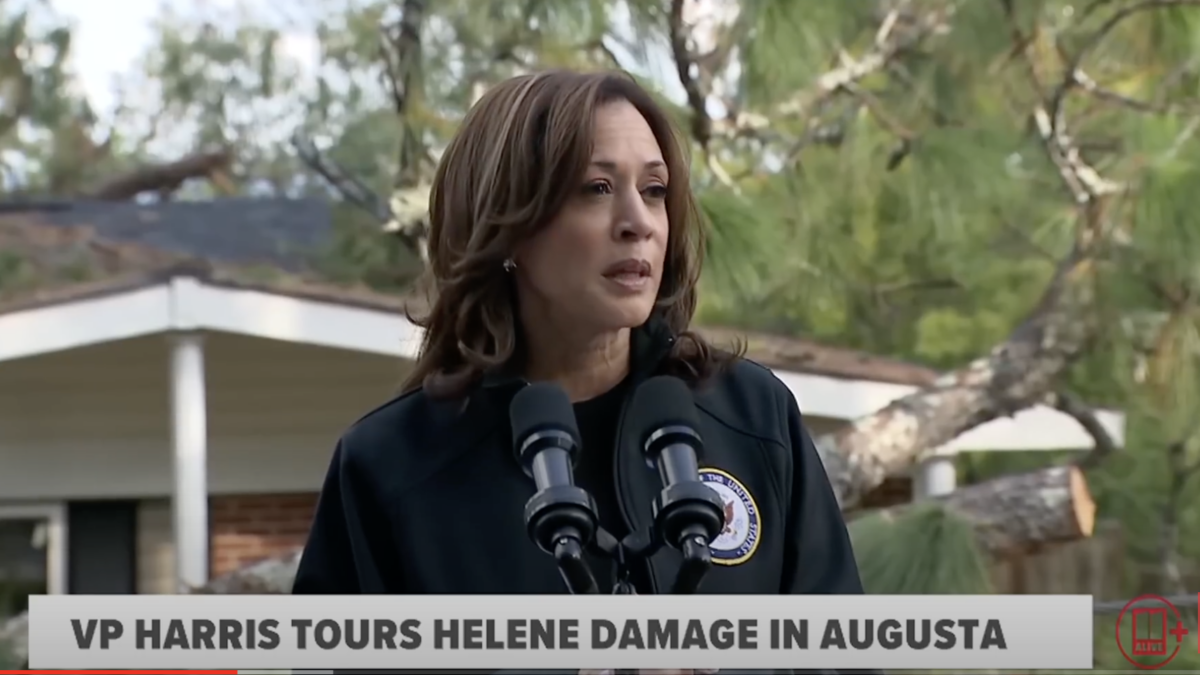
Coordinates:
(560, 517)
(688, 514)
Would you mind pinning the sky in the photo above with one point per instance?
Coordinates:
(110, 36)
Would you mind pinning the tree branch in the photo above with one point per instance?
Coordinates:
(348, 187)
(1104, 445)
(409, 203)
(1018, 372)
(696, 74)
(405, 213)
(401, 53)
(163, 178)
(1084, 183)
(1087, 84)
(893, 38)
(689, 72)
(899, 32)
(1013, 376)
(1072, 76)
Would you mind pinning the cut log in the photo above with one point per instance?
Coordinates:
(164, 178)
(1021, 512)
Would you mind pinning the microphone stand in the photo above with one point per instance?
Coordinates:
(562, 521)
(687, 516)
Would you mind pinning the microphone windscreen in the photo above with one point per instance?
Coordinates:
(538, 407)
(661, 402)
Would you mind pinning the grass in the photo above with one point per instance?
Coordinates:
(926, 551)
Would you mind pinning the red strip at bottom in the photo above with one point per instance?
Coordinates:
(120, 672)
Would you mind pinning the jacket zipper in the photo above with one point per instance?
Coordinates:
(622, 497)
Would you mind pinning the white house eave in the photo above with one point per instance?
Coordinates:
(185, 304)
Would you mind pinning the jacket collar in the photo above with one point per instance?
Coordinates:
(649, 345)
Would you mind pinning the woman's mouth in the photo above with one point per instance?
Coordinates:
(635, 282)
(631, 274)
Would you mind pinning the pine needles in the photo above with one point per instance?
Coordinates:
(925, 551)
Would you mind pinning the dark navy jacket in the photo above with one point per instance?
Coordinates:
(426, 496)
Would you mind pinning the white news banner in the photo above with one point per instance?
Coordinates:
(560, 632)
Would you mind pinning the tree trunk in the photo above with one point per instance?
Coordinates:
(162, 178)
(1021, 512)
(1016, 374)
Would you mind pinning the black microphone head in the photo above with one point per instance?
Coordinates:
(540, 408)
(661, 404)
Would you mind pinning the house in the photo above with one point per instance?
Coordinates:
(167, 409)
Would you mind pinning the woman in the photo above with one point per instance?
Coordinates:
(565, 246)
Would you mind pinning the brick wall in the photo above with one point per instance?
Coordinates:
(248, 528)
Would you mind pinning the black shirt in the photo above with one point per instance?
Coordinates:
(597, 419)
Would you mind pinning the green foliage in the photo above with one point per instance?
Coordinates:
(15, 271)
(926, 550)
(360, 255)
(1131, 486)
(731, 249)
(917, 216)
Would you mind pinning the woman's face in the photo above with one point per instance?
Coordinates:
(598, 265)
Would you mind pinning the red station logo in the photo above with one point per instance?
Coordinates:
(1150, 632)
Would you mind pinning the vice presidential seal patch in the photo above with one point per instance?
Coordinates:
(743, 525)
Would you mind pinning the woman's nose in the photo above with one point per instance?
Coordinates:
(634, 228)
(633, 221)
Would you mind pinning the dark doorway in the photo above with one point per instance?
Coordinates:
(102, 547)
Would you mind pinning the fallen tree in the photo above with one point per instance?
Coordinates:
(1027, 367)
(1019, 513)
(165, 178)
(1018, 372)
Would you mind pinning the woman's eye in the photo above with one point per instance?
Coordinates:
(656, 192)
(598, 188)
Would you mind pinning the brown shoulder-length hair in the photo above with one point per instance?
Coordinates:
(511, 167)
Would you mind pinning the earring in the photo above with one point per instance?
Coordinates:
(509, 265)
